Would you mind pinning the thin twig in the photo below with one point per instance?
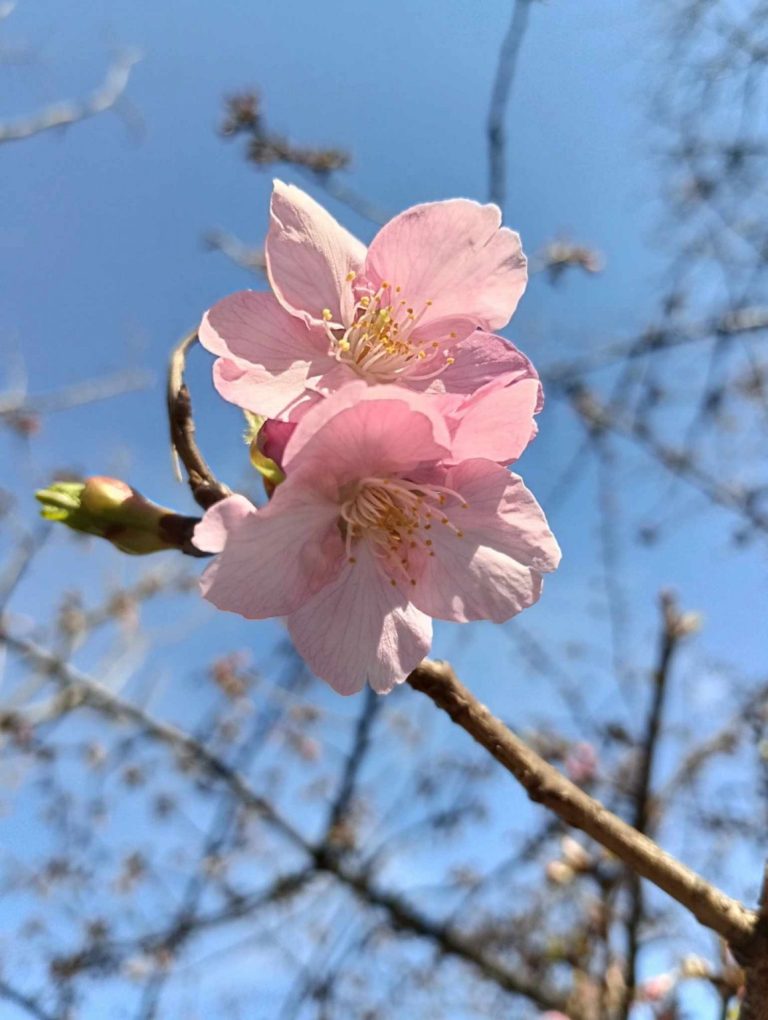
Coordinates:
(243, 255)
(671, 635)
(336, 826)
(79, 689)
(25, 1002)
(60, 115)
(502, 86)
(206, 489)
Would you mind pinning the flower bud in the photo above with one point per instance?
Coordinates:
(111, 509)
(574, 854)
(559, 873)
(694, 967)
(266, 440)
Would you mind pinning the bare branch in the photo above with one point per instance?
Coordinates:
(241, 254)
(79, 689)
(671, 634)
(7, 991)
(547, 786)
(502, 86)
(60, 115)
(206, 489)
(755, 1005)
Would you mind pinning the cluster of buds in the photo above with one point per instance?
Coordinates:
(243, 116)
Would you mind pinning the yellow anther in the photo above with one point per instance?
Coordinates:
(450, 361)
(327, 314)
(421, 355)
(351, 275)
(343, 345)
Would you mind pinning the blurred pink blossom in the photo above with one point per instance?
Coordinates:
(656, 988)
(581, 762)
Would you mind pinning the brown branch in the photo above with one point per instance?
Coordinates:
(244, 255)
(206, 489)
(449, 941)
(502, 86)
(745, 321)
(672, 632)
(338, 832)
(25, 1002)
(545, 785)
(78, 689)
(755, 1005)
(60, 115)
(599, 417)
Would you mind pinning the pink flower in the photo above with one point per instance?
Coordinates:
(495, 423)
(581, 762)
(657, 988)
(416, 308)
(373, 532)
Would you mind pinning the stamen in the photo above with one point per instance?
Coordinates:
(379, 344)
(393, 515)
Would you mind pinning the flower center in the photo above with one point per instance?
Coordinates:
(380, 344)
(397, 516)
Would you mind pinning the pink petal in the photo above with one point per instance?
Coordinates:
(210, 534)
(359, 627)
(454, 254)
(278, 557)
(266, 354)
(493, 570)
(367, 430)
(310, 256)
(482, 358)
(497, 423)
(256, 390)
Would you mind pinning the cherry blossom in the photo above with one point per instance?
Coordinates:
(376, 530)
(416, 308)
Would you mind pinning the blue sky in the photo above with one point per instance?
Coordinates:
(103, 264)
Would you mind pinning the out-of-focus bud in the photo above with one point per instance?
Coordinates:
(679, 624)
(574, 854)
(695, 967)
(111, 509)
(581, 763)
(559, 873)
(656, 988)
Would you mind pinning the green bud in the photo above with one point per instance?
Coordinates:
(111, 509)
